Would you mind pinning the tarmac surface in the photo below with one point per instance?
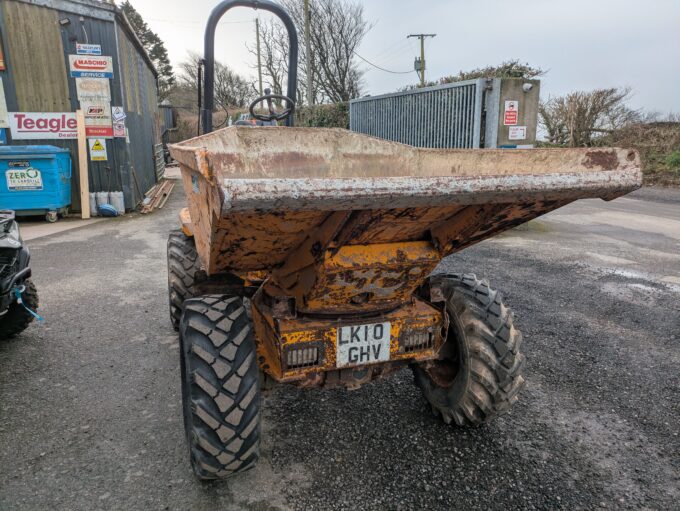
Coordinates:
(90, 413)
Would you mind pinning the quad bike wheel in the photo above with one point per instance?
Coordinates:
(479, 372)
(17, 318)
(220, 386)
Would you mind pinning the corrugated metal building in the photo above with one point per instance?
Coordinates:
(37, 37)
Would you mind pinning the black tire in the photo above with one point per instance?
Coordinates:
(479, 372)
(184, 272)
(17, 318)
(220, 386)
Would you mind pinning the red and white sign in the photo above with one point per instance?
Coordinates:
(511, 113)
(90, 66)
(97, 119)
(119, 129)
(42, 125)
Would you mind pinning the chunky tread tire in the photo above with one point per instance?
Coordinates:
(184, 272)
(490, 363)
(17, 318)
(220, 386)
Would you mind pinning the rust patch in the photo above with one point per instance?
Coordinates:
(605, 159)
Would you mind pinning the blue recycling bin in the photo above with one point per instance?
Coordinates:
(36, 179)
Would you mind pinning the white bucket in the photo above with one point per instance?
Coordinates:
(117, 201)
(93, 205)
(102, 198)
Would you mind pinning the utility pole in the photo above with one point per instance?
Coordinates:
(259, 61)
(419, 64)
(308, 56)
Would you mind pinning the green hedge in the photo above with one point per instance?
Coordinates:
(335, 115)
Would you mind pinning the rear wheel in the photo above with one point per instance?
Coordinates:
(479, 372)
(184, 272)
(220, 386)
(17, 318)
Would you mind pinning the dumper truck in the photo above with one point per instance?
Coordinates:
(307, 256)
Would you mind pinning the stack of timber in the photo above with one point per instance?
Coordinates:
(157, 196)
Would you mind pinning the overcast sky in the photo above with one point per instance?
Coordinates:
(583, 44)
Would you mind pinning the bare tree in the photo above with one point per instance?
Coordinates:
(274, 53)
(579, 118)
(231, 89)
(337, 29)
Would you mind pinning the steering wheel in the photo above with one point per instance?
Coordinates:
(273, 114)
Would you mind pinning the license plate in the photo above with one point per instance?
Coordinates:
(363, 344)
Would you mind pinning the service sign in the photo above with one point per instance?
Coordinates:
(88, 49)
(42, 125)
(97, 119)
(90, 66)
(20, 178)
(93, 89)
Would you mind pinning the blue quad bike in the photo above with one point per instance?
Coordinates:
(18, 296)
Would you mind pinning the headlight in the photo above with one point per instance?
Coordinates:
(13, 232)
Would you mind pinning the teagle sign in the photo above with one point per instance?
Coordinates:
(90, 66)
(42, 125)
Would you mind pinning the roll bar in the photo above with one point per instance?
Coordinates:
(209, 53)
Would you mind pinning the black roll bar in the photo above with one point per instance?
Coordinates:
(209, 53)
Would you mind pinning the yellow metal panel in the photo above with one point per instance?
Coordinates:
(36, 53)
(359, 278)
(275, 334)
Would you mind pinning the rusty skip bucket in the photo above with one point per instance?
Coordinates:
(255, 194)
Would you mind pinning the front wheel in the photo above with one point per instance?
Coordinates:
(220, 386)
(17, 318)
(478, 374)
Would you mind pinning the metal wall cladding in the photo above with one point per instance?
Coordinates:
(444, 116)
(140, 100)
(37, 80)
(167, 119)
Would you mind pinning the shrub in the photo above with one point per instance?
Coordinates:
(673, 160)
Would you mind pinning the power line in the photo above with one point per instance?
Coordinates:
(394, 49)
(194, 21)
(382, 68)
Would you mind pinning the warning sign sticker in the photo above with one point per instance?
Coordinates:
(119, 129)
(511, 113)
(97, 149)
(23, 179)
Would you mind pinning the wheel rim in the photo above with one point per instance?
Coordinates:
(446, 369)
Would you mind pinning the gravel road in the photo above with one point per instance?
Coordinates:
(90, 400)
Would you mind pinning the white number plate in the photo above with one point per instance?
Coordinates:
(363, 344)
